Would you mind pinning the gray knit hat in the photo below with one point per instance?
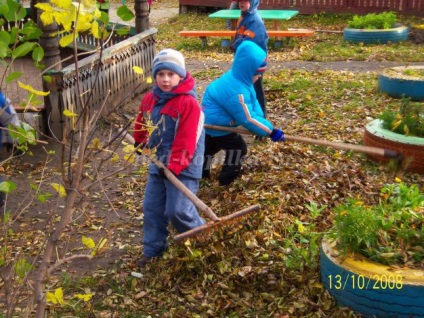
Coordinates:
(169, 59)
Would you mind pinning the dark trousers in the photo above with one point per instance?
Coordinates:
(235, 150)
(260, 94)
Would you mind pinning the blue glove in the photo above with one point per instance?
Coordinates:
(277, 135)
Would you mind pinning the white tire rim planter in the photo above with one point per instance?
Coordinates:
(370, 288)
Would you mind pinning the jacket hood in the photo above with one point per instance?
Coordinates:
(254, 4)
(248, 58)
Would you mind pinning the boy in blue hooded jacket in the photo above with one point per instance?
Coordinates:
(250, 27)
(231, 101)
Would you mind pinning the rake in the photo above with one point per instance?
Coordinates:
(205, 231)
(387, 153)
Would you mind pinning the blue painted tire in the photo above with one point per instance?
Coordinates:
(372, 289)
(401, 86)
(380, 36)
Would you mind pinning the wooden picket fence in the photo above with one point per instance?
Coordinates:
(407, 7)
(102, 78)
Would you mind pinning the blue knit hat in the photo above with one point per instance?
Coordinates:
(261, 68)
(171, 60)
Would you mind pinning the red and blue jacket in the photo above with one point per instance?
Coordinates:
(178, 134)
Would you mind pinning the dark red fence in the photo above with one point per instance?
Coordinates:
(408, 7)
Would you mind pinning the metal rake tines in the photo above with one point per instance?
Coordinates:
(200, 233)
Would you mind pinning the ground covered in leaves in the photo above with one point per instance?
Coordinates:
(265, 266)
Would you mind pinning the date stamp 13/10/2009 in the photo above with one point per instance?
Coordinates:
(375, 282)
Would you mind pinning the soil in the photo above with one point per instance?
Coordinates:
(94, 217)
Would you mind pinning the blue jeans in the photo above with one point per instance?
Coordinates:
(164, 203)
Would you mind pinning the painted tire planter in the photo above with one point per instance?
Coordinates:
(376, 36)
(393, 82)
(371, 289)
(411, 147)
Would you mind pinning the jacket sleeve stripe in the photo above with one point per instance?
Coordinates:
(249, 116)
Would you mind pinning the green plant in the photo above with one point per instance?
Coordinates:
(408, 120)
(414, 72)
(390, 232)
(384, 20)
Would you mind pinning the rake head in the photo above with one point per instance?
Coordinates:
(204, 232)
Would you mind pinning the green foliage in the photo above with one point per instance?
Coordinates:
(125, 13)
(21, 37)
(384, 20)
(7, 186)
(22, 267)
(303, 241)
(390, 232)
(414, 72)
(408, 120)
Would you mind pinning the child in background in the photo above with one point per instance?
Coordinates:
(178, 139)
(250, 27)
(7, 116)
(231, 101)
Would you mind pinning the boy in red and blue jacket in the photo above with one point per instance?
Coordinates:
(178, 139)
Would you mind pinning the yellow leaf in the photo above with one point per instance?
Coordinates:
(50, 298)
(58, 293)
(95, 143)
(64, 4)
(128, 148)
(30, 89)
(137, 70)
(56, 297)
(101, 243)
(67, 39)
(398, 180)
(87, 241)
(59, 189)
(406, 129)
(300, 228)
(95, 29)
(129, 157)
(85, 297)
(115, 158)
(149, 80)
(68, 113)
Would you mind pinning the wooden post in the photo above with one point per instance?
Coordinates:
(53, 109)
(52, 60)
(141, 8)
(33, 9)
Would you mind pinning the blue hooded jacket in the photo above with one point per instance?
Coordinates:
(251, 27)
(231, 100)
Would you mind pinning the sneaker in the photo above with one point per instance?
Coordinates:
(144, 261)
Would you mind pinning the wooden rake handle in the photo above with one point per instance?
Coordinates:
(186, 191)
(339, 145)
(178, 184)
